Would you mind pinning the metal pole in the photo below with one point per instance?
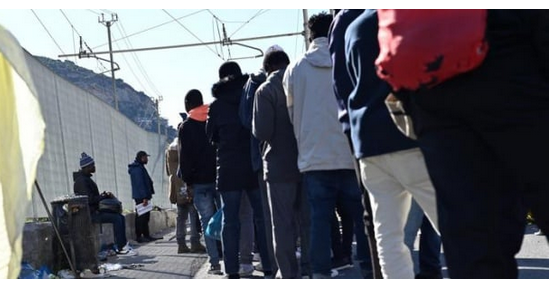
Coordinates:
(55, 228)
(109, 24)
(305, 28)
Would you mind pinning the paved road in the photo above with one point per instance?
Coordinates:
(160, 260)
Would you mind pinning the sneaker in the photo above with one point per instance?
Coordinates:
(183, 249)
(334, 273)
(258, 267)
(127, 250)
(539, 233)
(341, 263)
(215, 269)
(198, 248)
(246, 270)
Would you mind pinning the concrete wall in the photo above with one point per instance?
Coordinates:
(38, 237)
(76, 122)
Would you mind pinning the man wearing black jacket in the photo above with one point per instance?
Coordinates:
(84, 185)
(198, 169)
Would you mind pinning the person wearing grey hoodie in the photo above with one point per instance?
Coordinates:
(324, 158)
(287, 200)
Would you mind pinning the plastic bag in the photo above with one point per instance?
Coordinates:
(214, 225)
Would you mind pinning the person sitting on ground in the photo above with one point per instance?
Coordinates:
(84, 185)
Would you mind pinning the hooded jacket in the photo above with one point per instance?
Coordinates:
(196, 155)
(232, 139)
(245, 112)
(373, 131)
(272, 125)
(84, 185)
(313, 111)
(142, 184)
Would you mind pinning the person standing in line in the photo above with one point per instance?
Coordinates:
(484, 137)
(235, 175)
(142, 192)
(324, 155)
(197, 168)
(181, 194)
(286, 197)
(392, 165)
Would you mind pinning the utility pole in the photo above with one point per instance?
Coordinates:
(157, 106)
(305, 28)
(108, 24)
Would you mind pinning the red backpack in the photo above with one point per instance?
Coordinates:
(422, 48)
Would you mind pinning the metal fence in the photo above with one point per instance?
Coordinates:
(76, 122)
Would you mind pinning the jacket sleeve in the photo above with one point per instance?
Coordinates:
(340, 77)
(245, 107)
(263, 114)
(167, 162)
(139, 190)
(186, 160)
(81, 187)
(288, 90)
(211, 127)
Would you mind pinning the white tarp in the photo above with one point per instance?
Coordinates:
(21, 145)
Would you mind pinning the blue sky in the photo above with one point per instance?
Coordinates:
(169, 73)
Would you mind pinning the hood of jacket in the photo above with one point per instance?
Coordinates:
(258, 77)
(199, 113)
(319, 53)
(229, 89)
(134, 165)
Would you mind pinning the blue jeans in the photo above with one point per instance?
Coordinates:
(231, 229)
(184, 213)
(118, 222)
(429, 242)
(325, 189)
(205, 200)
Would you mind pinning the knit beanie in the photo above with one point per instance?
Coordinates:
(86, 160)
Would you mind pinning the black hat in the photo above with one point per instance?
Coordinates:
(229, 68)
(140, 155)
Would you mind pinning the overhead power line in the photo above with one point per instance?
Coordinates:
(195, 36)
(139, 65)
(153, 27)
(189, 45)
(38, 18)
(247, 22)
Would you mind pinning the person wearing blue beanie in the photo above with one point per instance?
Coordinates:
(84, 185)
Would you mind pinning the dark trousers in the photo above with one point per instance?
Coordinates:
(429, 251)
(484, 184)
(142, 222)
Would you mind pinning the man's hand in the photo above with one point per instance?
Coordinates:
(145, 202)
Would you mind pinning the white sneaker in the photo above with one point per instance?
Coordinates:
(334, 273)
(127, 250)
(246, 270)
